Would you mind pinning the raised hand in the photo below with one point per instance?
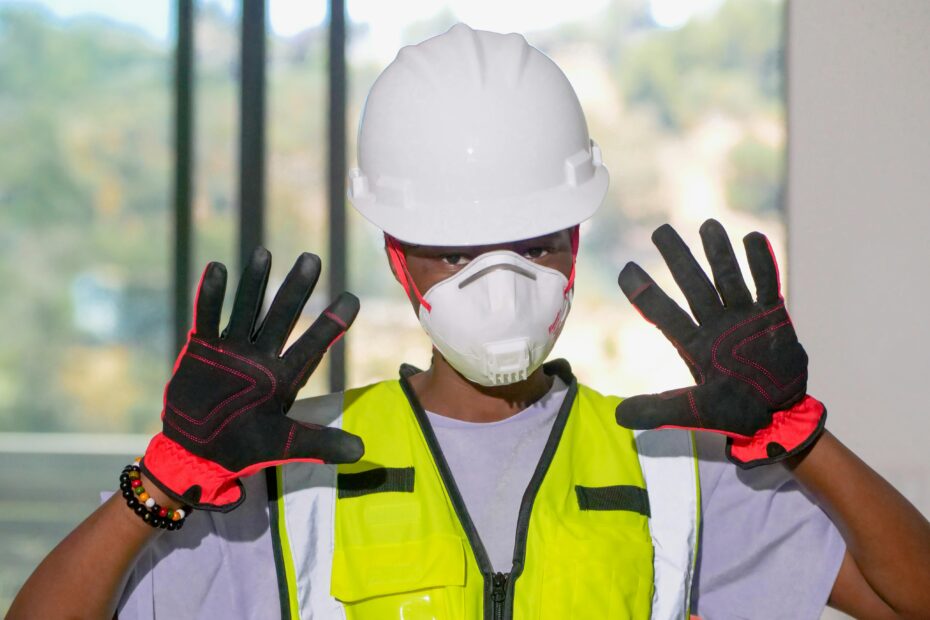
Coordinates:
(225, 405)
(749, 368)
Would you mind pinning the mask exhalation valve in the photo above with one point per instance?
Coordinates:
(507, 360)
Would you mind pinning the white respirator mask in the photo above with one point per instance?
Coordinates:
(497, 319)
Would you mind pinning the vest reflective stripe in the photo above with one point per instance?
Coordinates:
(306, 501)
(666, 456)
(407, 555)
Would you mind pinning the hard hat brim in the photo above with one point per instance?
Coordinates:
(488, 221)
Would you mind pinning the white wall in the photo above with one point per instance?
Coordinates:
(859, 224)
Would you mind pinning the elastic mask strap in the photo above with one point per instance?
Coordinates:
(399, 263)
(571, 276)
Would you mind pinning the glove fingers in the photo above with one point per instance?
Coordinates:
(723, 263)
(304, 355)
(763, 266)
(654, 305)
(288, 303)
(675, 408)
(209, 302)
(249, 295)
(694, 283)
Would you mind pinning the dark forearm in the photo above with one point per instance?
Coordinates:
(83, 575)
(886, 536)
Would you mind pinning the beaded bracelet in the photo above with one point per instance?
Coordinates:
(143, 504)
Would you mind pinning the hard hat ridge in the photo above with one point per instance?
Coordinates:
(463, 49)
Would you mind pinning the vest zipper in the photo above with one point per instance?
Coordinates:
(471, 533)
(498, 587)
(499, 594)
(529, 497)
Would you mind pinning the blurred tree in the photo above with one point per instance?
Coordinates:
(728, 63)
(756, 177)
(84, 187)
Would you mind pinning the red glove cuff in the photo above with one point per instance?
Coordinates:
(191, 479)
(791, 431)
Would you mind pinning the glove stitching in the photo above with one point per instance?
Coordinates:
(290, 438)
(758, 366)
(684, 354)
(216, 432)
(236, 413)
(694, 409)
(241, 392)
(268, 373)
(215, 364)
(315, 358)
(736, 375)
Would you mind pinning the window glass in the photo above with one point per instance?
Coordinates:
(215, 208)
(85, 257)
(297, 211)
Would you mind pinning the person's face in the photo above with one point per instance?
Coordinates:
(430, 264)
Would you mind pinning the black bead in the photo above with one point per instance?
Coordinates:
(124, 477)
(141, 510)
(147, 516)
(132, 502)
(156, 508)
(171, 525)
(155, 522)
(127, 494)
(125, 486)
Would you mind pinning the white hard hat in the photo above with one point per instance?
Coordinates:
(473, 138)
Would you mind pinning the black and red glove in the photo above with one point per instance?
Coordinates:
(750, 369)
(225, 405)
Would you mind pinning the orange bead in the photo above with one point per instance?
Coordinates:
(175, 516)
(143, 497)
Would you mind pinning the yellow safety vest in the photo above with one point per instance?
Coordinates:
(390, 537)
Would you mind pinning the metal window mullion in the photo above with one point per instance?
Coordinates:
(336, 168)
(251, 129)
(183, 168)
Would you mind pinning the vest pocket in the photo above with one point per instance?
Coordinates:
(415, 580)
(591, 579)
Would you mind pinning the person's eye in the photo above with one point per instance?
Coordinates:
(534, 253)
(455, 260)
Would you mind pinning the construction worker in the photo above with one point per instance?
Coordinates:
(492, 484)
